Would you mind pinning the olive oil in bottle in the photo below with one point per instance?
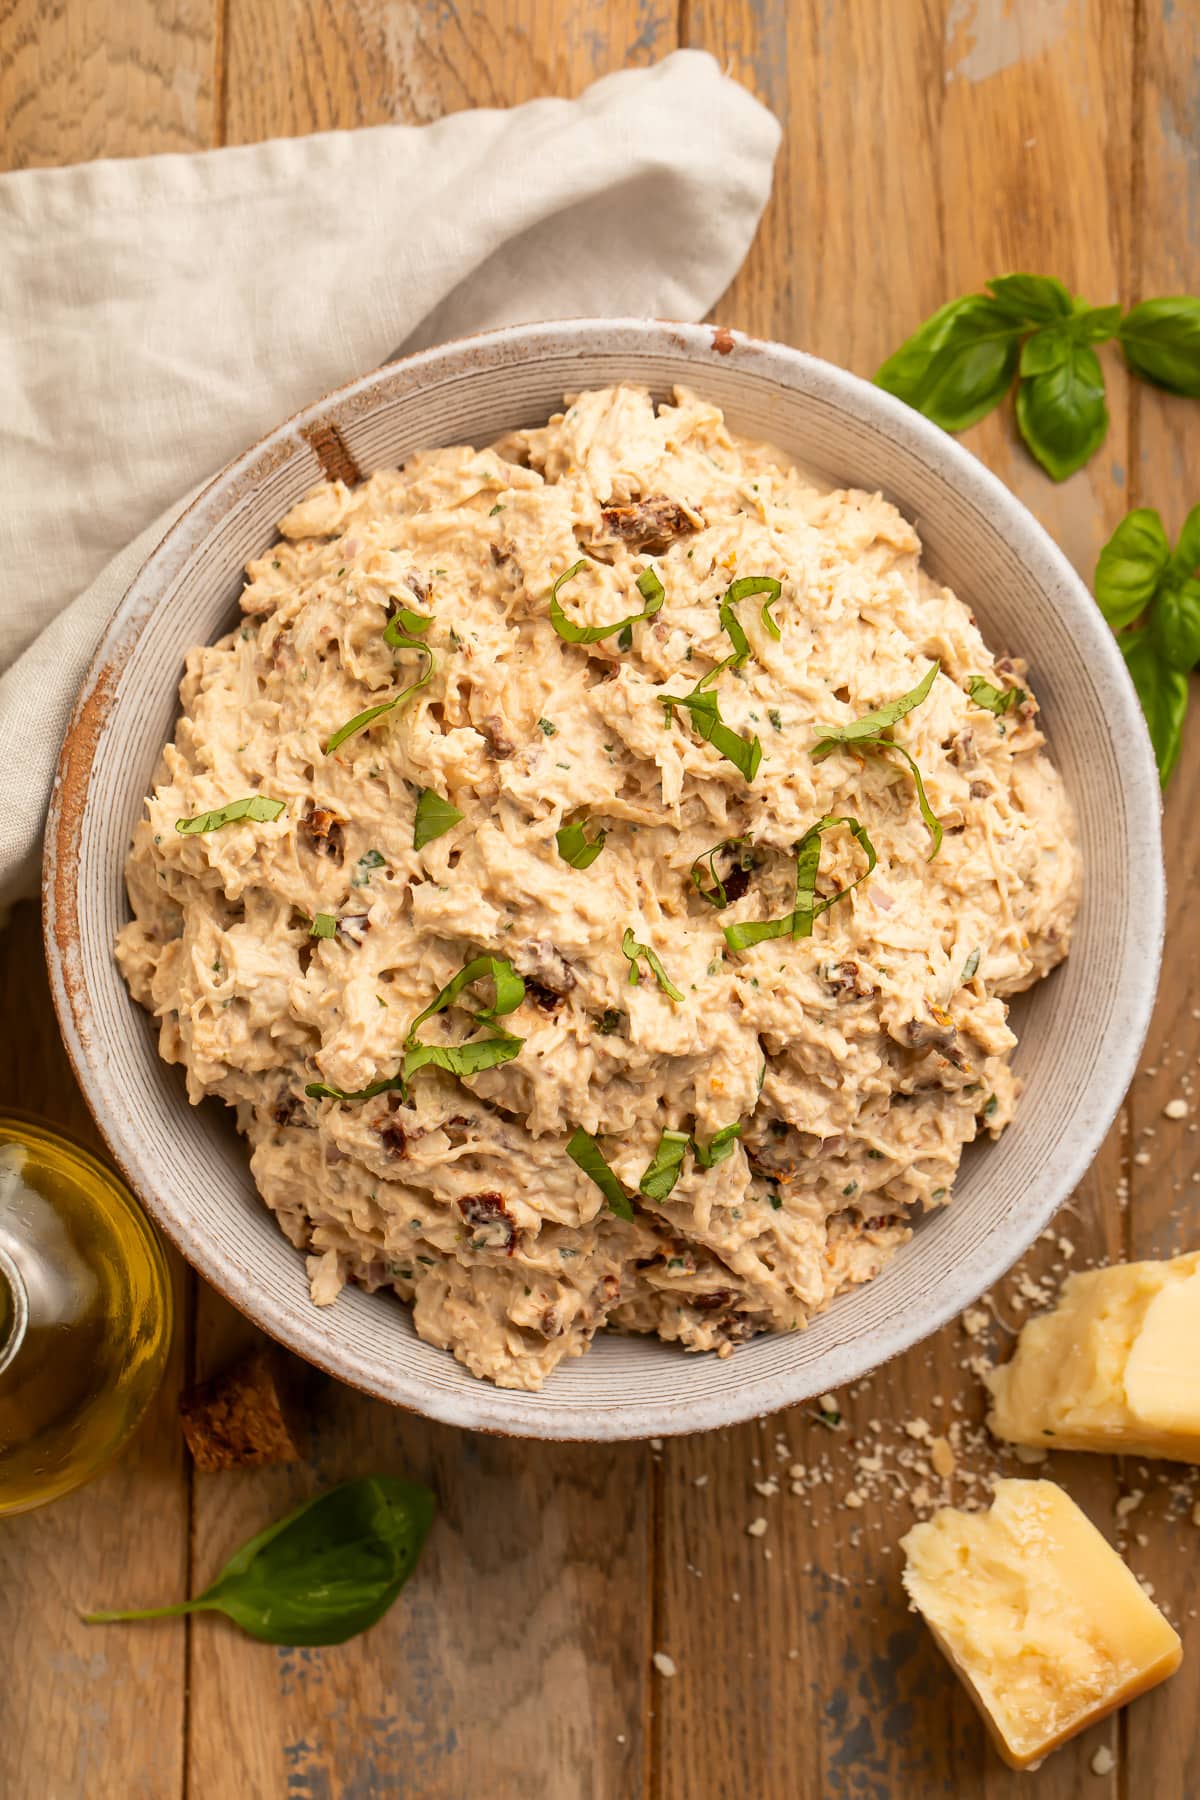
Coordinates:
(85, 1314)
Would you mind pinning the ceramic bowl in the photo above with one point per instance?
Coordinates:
(1080, 1031)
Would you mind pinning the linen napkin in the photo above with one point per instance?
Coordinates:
(157, 315)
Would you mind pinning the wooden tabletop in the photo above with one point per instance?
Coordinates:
(929, 144)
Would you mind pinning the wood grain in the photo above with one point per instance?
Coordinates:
(929, 144)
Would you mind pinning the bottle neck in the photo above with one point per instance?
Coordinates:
(14, 1309)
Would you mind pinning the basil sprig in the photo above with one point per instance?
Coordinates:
(1138, 573)
(401, 633)
(865, 734)
(648, 586)
(633, 951)
(484, 1053)
(991, 698)
(255, 806)
(433, 818)
(717, 895)
(962, 362)
(585, 1152)
(322, 1574)
(799, 922)
(576, 847)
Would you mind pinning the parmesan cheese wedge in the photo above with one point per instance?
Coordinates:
(1037, 1615)
(1115, 1366)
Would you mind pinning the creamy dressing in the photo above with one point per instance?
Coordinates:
(881, 1041)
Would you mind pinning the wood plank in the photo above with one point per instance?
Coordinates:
(1164, 1215)
(105, 78)
(320, 65)
(517, 1659)
(908, 176)
(84, 1708)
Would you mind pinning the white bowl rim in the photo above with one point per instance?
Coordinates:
(514, 1412)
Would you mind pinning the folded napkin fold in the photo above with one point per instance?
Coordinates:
(158, 315)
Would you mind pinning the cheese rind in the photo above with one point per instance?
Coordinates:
(1038, 1616)
(1114, 1367)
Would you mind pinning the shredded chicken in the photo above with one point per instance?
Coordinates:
(857, 1060)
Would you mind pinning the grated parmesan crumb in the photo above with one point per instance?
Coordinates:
(665, 1664)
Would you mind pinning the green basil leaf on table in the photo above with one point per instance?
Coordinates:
(433, 818)
(1161, 342)
(633, 952)
(1130, 567)
(1094, 324)
(1186, 558)
(1034, 299)
(1175, 623)
(324, 1573)
(648, 585)
(959, 364)
(576, 847)
(1062, 413)
(255, 806)
(1045, 350)
(586, 1154)
(1163, 692)
(663, 1170)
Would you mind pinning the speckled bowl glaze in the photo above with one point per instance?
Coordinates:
(1080, 1031)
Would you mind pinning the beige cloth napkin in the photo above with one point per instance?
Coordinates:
(158, 315)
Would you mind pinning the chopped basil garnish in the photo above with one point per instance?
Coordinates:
(611, 1020)
(663, 1170)
(576, 847)
(433, 818)
(469, 1059)
(799, 922)
(320, 1090)
(648, 586)
(399, 632)
(370, 859)
(744, 753)
(324, 925)
(742, 590)
(719, 1146)
(585, 1153)
(995, 700)
(255, 806)
(631, 949)
(716, 895)
(864, 734)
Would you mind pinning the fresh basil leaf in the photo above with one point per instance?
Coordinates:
(881, 719)
(932, 823)
(433, 818)
(716, 895)
(743, 589)
(510, 990)
(361, 720)
(1130, 567)
(719, 1146)
(744, 753)
(321, 1090)
(1062, 414)
(324, 1573)
(1045, 350)
(576, 847)
(1161, 341)
(403, 625)
(1036, 298)
(255, 806)
(959, 364)
(1175, 623)
(1094, 324)
(1186, 559)
(463, 1059)
(807, 908)
(663, 1171)
(585, 1153)
(993, 699)
(1163, 692)
(648, 586)
(324, 925)
(632, 950)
